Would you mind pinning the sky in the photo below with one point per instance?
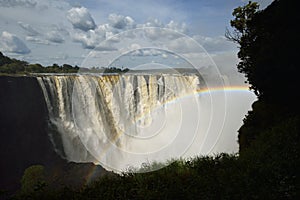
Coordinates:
(78, 31)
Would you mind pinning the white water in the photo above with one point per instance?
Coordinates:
(126, 120)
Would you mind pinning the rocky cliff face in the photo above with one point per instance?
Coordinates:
(23, 131)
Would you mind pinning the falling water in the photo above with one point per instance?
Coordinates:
(124, 120)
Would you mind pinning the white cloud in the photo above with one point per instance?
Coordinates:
(135, 46)
(172, 30)
(29, 29)
(18, 3)
(55, 36)
(37, 40)
(121, 22)
(81, 19)
(11, 43)
(153, 23)
(176, 26)
(106, 46)
(124, 24)
(45, 35)
(184, 45)
(60, 29)
(215, 44)
(226, 63)
(91, 38)
(147, 52)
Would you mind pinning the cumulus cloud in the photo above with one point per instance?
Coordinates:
(11, 43)
(81, 19)
(169, 30)
(29, 29)
(18, 3)
(184, 45)
(106, 46)
(161, 33)
(37, 40)
(177, 26)
(55, 36)
(147, 52)
(121, 22)
(59, 28)
(152, 23)
(91, 38)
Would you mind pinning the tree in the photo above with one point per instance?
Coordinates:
(34, 68)
(243, 16)
(33, 179)
(4, 59)
(244, 35)
(269, 42)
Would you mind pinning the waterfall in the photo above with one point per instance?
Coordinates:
(121, 120)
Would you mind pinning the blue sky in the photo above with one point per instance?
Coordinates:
(208, 17)
(67, 31)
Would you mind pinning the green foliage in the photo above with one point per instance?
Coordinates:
(272, 161)
(115, 70)
(13, 66)
(4, 60)
(34, 68)
(243, 15)
(268, 42)
(269, 135)
(260, 173)
(260, 118)
(33, 179)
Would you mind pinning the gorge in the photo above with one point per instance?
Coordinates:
(117, 121)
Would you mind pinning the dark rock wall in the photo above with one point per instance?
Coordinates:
(24, 138)
(23, 129)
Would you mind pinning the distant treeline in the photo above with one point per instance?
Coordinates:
(14, 66)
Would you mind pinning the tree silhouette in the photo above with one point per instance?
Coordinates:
(269, 42)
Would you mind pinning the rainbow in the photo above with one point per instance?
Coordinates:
(213, 90)
(202, 91)
(237, 88)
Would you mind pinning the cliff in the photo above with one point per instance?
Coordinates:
(24, 138)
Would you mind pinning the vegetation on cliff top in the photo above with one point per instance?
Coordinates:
(14, 66)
